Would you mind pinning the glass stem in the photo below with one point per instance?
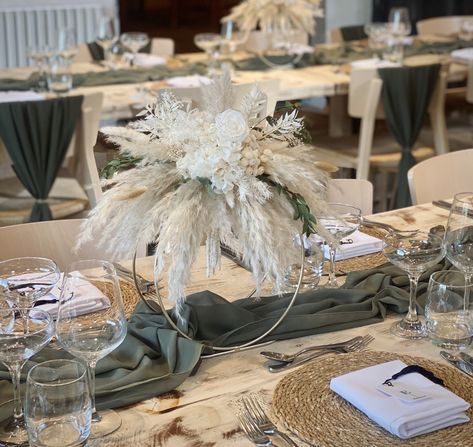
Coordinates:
(91, 372)
(15, 371)
(332, 280)
(466, 298)
(412, 313)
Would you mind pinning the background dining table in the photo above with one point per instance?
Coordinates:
(201, 412)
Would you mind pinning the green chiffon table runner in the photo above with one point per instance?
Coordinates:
(153, 359)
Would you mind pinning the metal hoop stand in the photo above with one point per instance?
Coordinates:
(270, 64)
(206, 343)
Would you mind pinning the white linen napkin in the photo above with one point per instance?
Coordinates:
(363, 244)
(465, 54)
(374, 63)
(87, 298)
(145, 59)
(188, 81)
(404, 419)
(15, 96)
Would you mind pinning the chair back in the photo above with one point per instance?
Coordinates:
(441, 177)
(162, 46)
(355, 192)
(442, 25)
(269, 87)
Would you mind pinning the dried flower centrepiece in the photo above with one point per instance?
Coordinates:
(282, 15)
(220, 175)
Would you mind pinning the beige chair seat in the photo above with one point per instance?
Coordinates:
(67, 198)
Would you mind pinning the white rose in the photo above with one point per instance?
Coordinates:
(231, 126)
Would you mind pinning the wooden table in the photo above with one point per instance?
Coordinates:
(199, 413)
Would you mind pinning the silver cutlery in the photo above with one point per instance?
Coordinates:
(144, 285)
(458, 363)
(256, 412)
(288, 358)
(374, 224)
(357, 346)
(254, 434)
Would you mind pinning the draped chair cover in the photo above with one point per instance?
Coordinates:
(37, 135)
(407, 92)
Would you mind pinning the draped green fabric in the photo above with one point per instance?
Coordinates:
(36, 135)
(153, 359)
(354, 32)
(407, 92)
(97, 53)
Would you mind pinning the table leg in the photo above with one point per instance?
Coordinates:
(339, 121)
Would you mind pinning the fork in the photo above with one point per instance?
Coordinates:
(254, 434)
(258, 415)
(357, 346)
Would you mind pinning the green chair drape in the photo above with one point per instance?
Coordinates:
(355, 32)
(97, 53)
(37, 135)
(407, 92)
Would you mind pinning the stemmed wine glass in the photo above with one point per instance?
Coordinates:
(459, 236)
(107, 33)
(399, 27)
(415, 252)
(340, 223)
(67, 44)
(30, 331)
(134, 41)
(92, 287)
(25, 280)
(210, 43)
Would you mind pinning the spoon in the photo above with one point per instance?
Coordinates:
(289, 358)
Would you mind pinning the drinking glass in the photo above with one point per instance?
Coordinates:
(378, 34)
(415, 252)
(399, 21)
(39, 57)
(448, 324)
(59, 75)
(91, 324)
(107, 33)
(7, 318)
(313, 263)
(25, 280)
(466, 30)
(67, 44)
(31, 331)
(342, 221)
(231, 36)
(58, 407)
(134, 42)
(210, 43)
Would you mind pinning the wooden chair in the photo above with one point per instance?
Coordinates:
(269, 87)
(447, 25)
(441, 177)
(355, 192)
(77, 187)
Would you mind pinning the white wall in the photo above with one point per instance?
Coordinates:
(346, 12)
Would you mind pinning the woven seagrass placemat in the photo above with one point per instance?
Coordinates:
(361, 262)
(305, 405)
(130, 295)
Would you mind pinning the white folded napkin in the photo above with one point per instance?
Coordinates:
(145, 59)
(87, 298)
(374, 63)
(363, 244)
(188, 81)
(14, 96)
(440, 409)
(465, 54)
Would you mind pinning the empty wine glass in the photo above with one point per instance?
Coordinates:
(342, 221)
(210, 43)
(31, 331)
(107, 33)
(67, 44)
(399, 22)
(91, 324)
(39, 56)
(134, 42)
(415, 252)
(25, 280)
(231, 36)
(377, 36)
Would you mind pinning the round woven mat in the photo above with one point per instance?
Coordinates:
(305, 405)
(130, 295)
(361, 262)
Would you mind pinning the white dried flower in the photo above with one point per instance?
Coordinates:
(231, 126)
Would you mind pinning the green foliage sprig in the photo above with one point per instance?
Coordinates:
(122, 163)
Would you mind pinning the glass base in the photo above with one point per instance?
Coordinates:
(12, 433)
(104, 423)
(409, 329)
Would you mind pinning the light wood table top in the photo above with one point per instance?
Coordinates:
(199, 413)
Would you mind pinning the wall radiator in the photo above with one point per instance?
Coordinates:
(21, 27)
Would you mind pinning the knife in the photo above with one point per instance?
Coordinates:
(467, 359)
(458, 363)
